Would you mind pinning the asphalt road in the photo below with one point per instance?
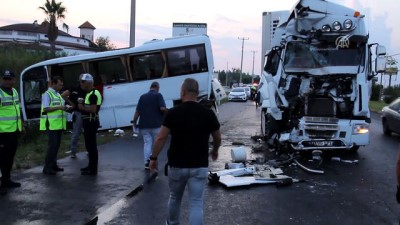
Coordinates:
(360, 193)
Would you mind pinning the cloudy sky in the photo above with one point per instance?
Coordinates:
(226, 21)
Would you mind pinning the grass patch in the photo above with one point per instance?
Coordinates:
(32, 146)
(376, 106)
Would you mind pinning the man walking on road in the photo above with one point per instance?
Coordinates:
(90, 106)
(150, 112)
(190, 126)
(10, 127)
(53, 120)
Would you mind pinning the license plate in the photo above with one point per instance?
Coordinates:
(322, 143)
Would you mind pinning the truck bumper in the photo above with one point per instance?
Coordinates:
(329, 135)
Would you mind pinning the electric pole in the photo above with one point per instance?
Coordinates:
(252, 73)
(132, 25)
(226, 75)
(241, 60)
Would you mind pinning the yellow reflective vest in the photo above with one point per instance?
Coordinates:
(92, 116)
(10, 117)
(55, 120)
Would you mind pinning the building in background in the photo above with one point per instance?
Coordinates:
(34, 36)
(182, 29)
(87, 31)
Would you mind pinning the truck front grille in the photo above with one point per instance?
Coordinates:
(321, 107)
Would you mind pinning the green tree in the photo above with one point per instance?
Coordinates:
(54, 12)
(104, 44)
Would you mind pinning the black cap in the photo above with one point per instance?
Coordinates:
(8, 74)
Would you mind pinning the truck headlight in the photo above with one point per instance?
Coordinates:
(326, 28)
(360, 128)
(336, 26)
(347, 24)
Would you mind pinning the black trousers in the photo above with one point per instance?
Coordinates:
(53, 144)
(8, 148)
(89, 133)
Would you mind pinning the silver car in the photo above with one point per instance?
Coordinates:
(237, 94)
(391, 118)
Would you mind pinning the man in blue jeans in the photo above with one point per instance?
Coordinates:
(190, 125)
(150, 112)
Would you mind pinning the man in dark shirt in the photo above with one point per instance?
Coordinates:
(77, 124)
(150, 112)
(90, 107)
(190, 126)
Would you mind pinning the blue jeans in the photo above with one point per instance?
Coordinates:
(76, 131)
(149, 136)
(195, 179)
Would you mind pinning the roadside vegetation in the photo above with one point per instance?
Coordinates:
(32, 146)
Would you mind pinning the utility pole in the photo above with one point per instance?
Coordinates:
(252, 73)
(226, 75)
(132, 26)
(241, 60)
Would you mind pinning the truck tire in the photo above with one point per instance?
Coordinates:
(354, 149)
(385, 128)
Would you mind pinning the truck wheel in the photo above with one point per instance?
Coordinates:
(354, 149)
(385, 128)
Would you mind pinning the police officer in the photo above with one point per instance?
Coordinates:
(54, 121)
(10, 127)
(90, 106)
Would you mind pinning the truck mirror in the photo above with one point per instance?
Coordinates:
(380, 64)
(271, 62)
(380, 50)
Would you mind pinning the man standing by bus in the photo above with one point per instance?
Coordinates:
(150, 111)
(90, 106)
(77, 125)
(10, 126)
(53, 120)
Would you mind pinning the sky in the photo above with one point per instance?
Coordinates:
(227, 21)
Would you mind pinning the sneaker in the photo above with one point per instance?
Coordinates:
(146, 165)
(49, 171)
(89, 172)
(10, 184)
(85, 168)
(73, 155)
(58, 169)
(3, 191)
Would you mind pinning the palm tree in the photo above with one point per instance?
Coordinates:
(54, 12)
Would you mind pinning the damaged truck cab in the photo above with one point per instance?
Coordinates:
(316, 80)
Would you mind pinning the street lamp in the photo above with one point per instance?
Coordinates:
(241, 60)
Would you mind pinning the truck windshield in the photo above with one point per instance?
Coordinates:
(304, 55)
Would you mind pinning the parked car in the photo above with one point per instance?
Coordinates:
(391, 118)
(237, 94)
(248, 92)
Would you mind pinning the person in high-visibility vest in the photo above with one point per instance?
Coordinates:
(10, 127)
(90, 106)
(53, 120)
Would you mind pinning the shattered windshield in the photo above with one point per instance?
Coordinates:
(304, 55)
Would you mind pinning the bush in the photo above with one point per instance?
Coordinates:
(391, 93)
(17, 57)
(375, 92)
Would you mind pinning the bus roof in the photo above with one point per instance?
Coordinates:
(145, 47)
